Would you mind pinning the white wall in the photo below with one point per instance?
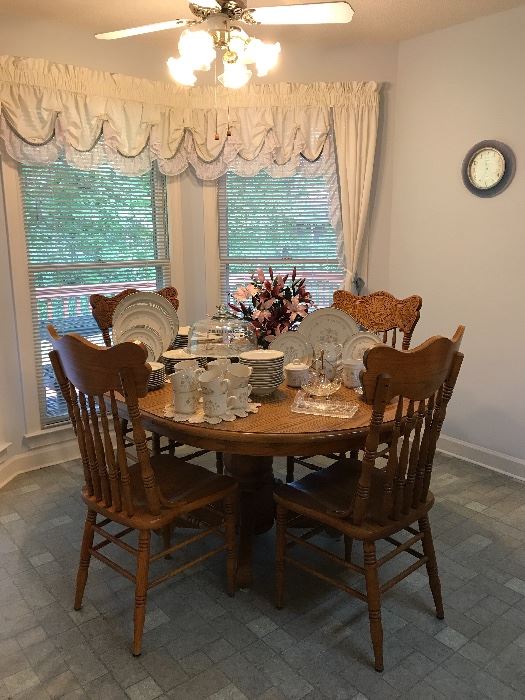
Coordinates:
(300, 63)
(463, 254)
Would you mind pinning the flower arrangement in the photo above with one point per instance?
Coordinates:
(271, 305)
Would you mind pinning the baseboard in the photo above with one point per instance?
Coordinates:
(496, 461)
(36, 459)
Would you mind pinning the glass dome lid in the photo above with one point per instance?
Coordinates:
(221, 335)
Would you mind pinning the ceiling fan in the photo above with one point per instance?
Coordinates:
(198, 48)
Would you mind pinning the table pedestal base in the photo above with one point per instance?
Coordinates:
(256, 506)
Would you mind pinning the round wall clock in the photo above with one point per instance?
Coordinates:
(488, 168)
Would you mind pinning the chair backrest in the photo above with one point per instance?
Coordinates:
(103, 307)
(421, 381)
(381, 312)
(89, 376)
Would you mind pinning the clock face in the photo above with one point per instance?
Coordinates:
(486, 168)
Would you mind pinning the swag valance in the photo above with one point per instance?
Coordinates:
(49, 110)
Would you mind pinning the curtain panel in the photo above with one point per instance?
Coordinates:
(50, 110)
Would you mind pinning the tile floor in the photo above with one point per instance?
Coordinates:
(201, 644)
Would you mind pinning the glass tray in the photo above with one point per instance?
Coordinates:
(316, 406)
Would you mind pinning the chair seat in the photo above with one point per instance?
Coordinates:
(328, 495)
(188, 486)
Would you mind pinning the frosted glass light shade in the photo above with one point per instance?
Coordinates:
(181, 72)
(197, 49)
(235, 75)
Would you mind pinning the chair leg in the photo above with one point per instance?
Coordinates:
(373, 597)
(85, 557)
(432, 569)
(219, 463)
(171, 448)
(354, 454)
(280, 541)
(230, 525)
(290, 462)
(141, 589)
(166, 539)
(155, 444)
(349, 543)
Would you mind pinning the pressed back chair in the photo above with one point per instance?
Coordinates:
(368, 502)
(103, 308)
(379, 312)
(154, 493)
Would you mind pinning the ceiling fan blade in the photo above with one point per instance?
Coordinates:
(311, 13)
(146, 29)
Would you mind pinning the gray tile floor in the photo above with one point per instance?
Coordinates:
(201, 644)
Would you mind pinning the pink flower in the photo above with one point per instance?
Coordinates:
(296, 308)
(261, 313)
(241, 294)
(260, 275)
(251, 289)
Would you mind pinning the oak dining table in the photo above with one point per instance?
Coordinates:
(250, 444)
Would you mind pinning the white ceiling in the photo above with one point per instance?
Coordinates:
(375, 21)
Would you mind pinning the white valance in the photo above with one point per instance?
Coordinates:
(48, 109)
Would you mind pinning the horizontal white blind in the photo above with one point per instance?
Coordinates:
(87, 232)
(280, 222)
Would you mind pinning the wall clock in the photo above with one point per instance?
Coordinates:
(488, 168)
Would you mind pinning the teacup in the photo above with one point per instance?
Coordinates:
(186, 401)
(212, 382)
(296, 374)
(351, 371)
(217, 404)
(239, 375)
(240, 396)
(223, 364)
(186, 378)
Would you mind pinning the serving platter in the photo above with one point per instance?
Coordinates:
(356, 346)
(294, 346)
(146, 309)
(327, 326)
(149, 337)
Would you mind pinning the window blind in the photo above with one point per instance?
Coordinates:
(280, 222)
(87, 232)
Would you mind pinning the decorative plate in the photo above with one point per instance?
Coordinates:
(327, 326)
(146, 335)
(146, 309)
(294, 346)
(355, 347)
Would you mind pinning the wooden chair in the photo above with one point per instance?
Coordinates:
(368, 502)
(379, 312)
(152, 494)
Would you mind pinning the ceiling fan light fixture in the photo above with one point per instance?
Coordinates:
(181, 71)
(265, 57)
(235, 75)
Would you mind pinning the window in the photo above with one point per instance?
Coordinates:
(280, 222)
(87, 232)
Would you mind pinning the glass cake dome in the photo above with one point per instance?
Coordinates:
(221, 335)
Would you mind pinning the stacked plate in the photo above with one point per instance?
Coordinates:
(267, 366)
(181, 341)
(157, 377)
(170, 358)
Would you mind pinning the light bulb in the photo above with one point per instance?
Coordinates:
(181, 72)
(235, 75)
(197, 49)
(266, 57)
(209, 4)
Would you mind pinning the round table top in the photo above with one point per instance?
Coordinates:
(274, 430)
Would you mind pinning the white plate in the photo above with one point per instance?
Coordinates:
(327, 326)
(261, 355)
(146, 309)
(148, 336)
(355, 347)
(294, 346)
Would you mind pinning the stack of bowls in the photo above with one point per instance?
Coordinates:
(181, 341)
(170, 358)
(157, 377)
(267, 370)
